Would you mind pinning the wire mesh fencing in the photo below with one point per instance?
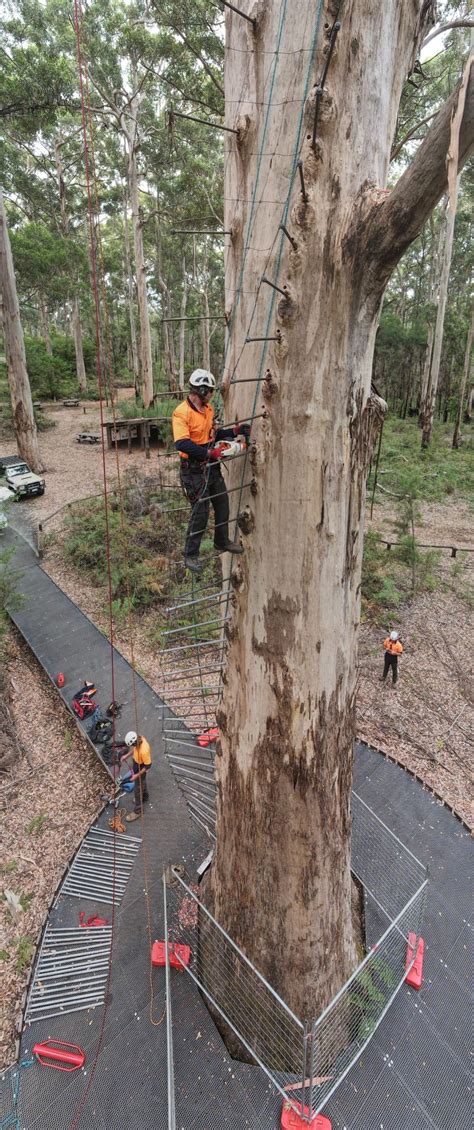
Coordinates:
(311, 1057)
(250, 1013)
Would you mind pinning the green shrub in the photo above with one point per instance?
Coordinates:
(25, 950)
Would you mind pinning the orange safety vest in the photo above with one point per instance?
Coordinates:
(189, 423)
(393, 646)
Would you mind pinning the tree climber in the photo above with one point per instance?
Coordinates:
(393, 648)
(139, 750)
(196, 438)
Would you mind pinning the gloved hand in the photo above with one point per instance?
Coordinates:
(242, 430)
(216, 452)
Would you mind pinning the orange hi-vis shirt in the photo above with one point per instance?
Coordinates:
(393, 646)
(188, 423)
(142, 753)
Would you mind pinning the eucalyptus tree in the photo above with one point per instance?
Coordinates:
(280, 882)
(467, 370)
(20, 391)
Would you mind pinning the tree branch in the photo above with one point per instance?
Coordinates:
(396, 221)
(446, 27)
(410, 134)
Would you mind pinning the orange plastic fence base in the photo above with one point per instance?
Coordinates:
(208, 736)
(178, 955)
(415, 976)
(290, 1120)
(64, 1057)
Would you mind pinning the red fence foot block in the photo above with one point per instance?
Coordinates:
(290, 1120)
(178, 955)
(208, 736)
(415, 976)
(64, 1057)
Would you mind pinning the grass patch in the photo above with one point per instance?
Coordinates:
(12, 865)
(36, 826)
(442, 472)
(24, 950)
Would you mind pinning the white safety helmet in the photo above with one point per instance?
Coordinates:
(202, 378)
(393, 636)
(130, 738)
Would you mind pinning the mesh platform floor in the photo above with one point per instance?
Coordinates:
(414, 1073)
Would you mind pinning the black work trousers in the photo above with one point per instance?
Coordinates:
(203, 484)
(140, 788)
(390, 661)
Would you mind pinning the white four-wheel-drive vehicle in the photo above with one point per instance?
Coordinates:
(19, 478)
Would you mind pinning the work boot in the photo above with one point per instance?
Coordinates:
(230, 547)
(132, 816)
(194, 564)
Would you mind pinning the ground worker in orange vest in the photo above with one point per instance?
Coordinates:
(197, 440)
(139, 750)
(393, 648)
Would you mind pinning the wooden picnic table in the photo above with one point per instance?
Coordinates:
(71, 402)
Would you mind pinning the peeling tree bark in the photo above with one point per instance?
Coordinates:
(280, 882)
(20, 391)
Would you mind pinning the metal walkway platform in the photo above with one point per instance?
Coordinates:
(415, 1072)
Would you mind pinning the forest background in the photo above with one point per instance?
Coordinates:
(158, 220)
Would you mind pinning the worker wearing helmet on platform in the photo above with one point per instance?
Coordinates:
(393, 648)
(139, 750)
(197, 440)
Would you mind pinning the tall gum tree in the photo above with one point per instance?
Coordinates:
(280, 882)
(20, 392)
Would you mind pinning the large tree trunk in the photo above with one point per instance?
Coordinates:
(428, 401)
(280, 882)
(205, 332)
(78, 348)
(20, 391)
(44, 323)
(130, 299)
(182, 328)
(167, 309)
(433, 294)
(462, 391)
(140, 267)
(76, 314)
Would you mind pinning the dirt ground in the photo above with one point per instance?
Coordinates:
(48, 800)
(53, 793)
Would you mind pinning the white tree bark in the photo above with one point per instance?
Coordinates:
(427, 405)
(435, 276)
(142, 295)
(129, 284)
(78, 347)
(44, 323)
(76, 313)
(182, 328)
(467, 368)
(280, 882)
(20, 391)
